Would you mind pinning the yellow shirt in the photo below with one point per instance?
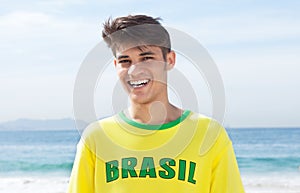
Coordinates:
(192, 154)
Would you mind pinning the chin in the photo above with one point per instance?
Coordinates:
(140, 99)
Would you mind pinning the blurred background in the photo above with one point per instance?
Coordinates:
(255, 45)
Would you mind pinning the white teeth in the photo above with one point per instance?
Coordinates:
(138, 83)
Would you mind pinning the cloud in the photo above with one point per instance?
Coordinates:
(29, 39)
(39, 95)
(61, 3)
(258, 26)
(256, 48)
(21, 19)
(39, 24)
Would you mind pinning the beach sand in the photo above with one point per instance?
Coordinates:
(252, 183)
(284, 183)
(33, 184)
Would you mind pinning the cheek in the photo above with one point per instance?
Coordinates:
(160, 76)
(122, 73)
(159, 71)
(156, 67)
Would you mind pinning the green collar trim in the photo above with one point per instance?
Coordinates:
(154, 127)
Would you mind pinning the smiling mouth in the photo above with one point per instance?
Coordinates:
(138, 83)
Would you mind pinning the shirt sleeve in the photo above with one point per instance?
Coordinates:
(82, 176)
(225, 174)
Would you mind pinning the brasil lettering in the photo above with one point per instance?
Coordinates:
(168, 171)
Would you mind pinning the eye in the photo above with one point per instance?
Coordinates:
(124, 63)
(147, 58)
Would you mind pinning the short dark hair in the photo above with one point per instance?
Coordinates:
(136, 29)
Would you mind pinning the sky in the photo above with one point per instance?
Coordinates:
(255, 45)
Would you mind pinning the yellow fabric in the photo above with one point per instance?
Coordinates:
(194, 156)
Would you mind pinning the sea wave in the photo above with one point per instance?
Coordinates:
(23, 166)
(269, 164)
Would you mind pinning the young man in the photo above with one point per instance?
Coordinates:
(153, 146)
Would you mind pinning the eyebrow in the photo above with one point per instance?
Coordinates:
(122, 57)
(146, 53)
(141, 54)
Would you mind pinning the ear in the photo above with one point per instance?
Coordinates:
(115, 62)
(171, 59)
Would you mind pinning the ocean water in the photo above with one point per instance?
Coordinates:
(271, 151)
(259, 152)
(35, 153)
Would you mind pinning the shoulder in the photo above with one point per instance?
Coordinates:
(97, 125)
(213, 134)
(94, 131)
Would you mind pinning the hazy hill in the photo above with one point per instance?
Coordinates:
(47, 124)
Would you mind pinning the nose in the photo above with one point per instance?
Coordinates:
(135, 70)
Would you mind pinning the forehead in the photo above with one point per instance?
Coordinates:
(132, 51)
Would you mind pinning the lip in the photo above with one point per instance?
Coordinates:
(138, 83)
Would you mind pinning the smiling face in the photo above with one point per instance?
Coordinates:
(143, 73)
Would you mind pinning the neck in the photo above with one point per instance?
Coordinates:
(154, 113)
